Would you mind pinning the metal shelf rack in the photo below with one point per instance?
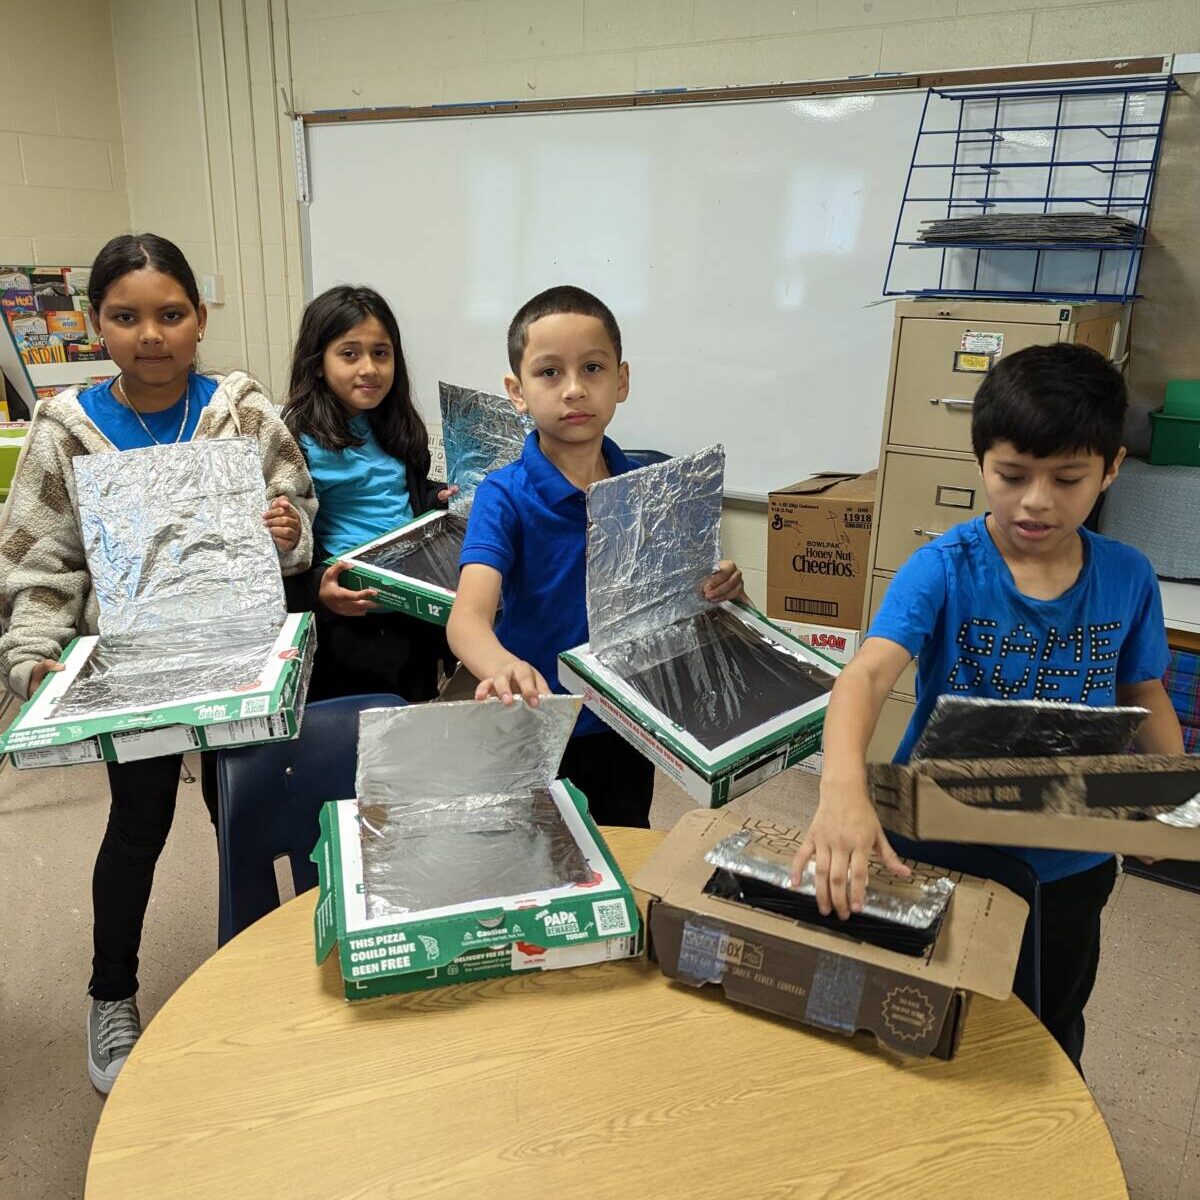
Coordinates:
(1085, 146)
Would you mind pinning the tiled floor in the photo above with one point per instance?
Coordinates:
(1143, 1054)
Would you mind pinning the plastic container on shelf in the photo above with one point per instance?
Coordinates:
(1174, 440)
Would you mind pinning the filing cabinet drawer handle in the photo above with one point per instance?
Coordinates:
(928, 534)
(952, 402)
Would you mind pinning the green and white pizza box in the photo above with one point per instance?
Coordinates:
(551, 927)
(268, 711)
(716, 769)
(439, 534)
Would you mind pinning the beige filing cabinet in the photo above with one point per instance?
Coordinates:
(928, 477)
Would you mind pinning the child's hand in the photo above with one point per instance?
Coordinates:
(283, 523)
(40, 672)
(726, 584)
(843, 835)
(344, 601)
(445, 494)
(514, 678)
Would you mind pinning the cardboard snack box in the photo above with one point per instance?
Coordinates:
(711, 774)
(417, 819)
(916, 1006)
(818, 548)
(1111, 803)
(269, 710)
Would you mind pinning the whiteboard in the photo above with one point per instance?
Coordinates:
(742, 247)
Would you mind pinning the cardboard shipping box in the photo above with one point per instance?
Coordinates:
(818, 545)
(268, 709)
(914, 1005)
(839, 644)
(1104, 803)
(406, 869)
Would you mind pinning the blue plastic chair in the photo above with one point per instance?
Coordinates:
(643, 458)
(1009, 871)
(268, 801)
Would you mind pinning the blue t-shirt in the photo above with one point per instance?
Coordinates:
(362, 491)
(955, 606)
(119, 424)
(530, 523)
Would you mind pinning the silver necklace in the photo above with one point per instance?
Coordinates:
(187, 402)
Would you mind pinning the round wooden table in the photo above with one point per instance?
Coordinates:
(257, 1079)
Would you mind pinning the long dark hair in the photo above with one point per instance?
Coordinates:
(313, 409)
(135, 252)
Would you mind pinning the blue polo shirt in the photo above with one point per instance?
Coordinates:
(529, 522)
(362, 491)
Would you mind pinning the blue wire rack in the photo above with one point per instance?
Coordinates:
(1086, 146)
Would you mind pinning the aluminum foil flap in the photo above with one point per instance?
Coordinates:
(480, 434)
(975, 727)
(916, 904)
(175, 540)
(653, 539)
(425, 755)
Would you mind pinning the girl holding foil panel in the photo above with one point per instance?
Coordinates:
(350, 407)
(148, 312)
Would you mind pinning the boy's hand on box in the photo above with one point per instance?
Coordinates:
(445, 494)
(844, 835)
(725, 584)
(516, 678)
(345, 601)
(40, 672)
(283, 523)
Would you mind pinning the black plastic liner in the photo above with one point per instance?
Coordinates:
(715, 676)
(430, 553)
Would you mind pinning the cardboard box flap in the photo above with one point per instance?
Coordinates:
(416, 753)
(977, 947)
(826, 481)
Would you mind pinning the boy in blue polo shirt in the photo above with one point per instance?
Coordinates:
(1020, 604)
(527, 536)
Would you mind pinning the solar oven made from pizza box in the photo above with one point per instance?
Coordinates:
(714, 695)
(1041, 774)
(196, 649)
(414, 568)
(722, 913)
(462, 858)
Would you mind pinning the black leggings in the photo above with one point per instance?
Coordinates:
(139, 819)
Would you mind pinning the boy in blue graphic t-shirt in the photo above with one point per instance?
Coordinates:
(1020, 604)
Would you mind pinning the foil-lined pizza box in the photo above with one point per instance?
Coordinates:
(196, 649)
(827, 975)
(1041, 774)
(462, 858)
(715, 695)
(414, 568)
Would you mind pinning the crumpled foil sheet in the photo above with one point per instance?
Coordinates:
(186, 575)
(653, 539)
(895, 903)
(716, 676)
(975, 727)
(174, 538)
(1186, 816)
(428, 754)
(430, 553)
(480, 433)
(468, 850)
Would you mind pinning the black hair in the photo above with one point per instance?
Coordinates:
(136, 252)
(1051, 400)
(313, 409)
(554, 301)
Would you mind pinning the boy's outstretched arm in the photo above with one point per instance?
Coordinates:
(476, 646)
(845, 832)
(1159, 732)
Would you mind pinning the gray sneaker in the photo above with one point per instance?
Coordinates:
(113, 1027)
